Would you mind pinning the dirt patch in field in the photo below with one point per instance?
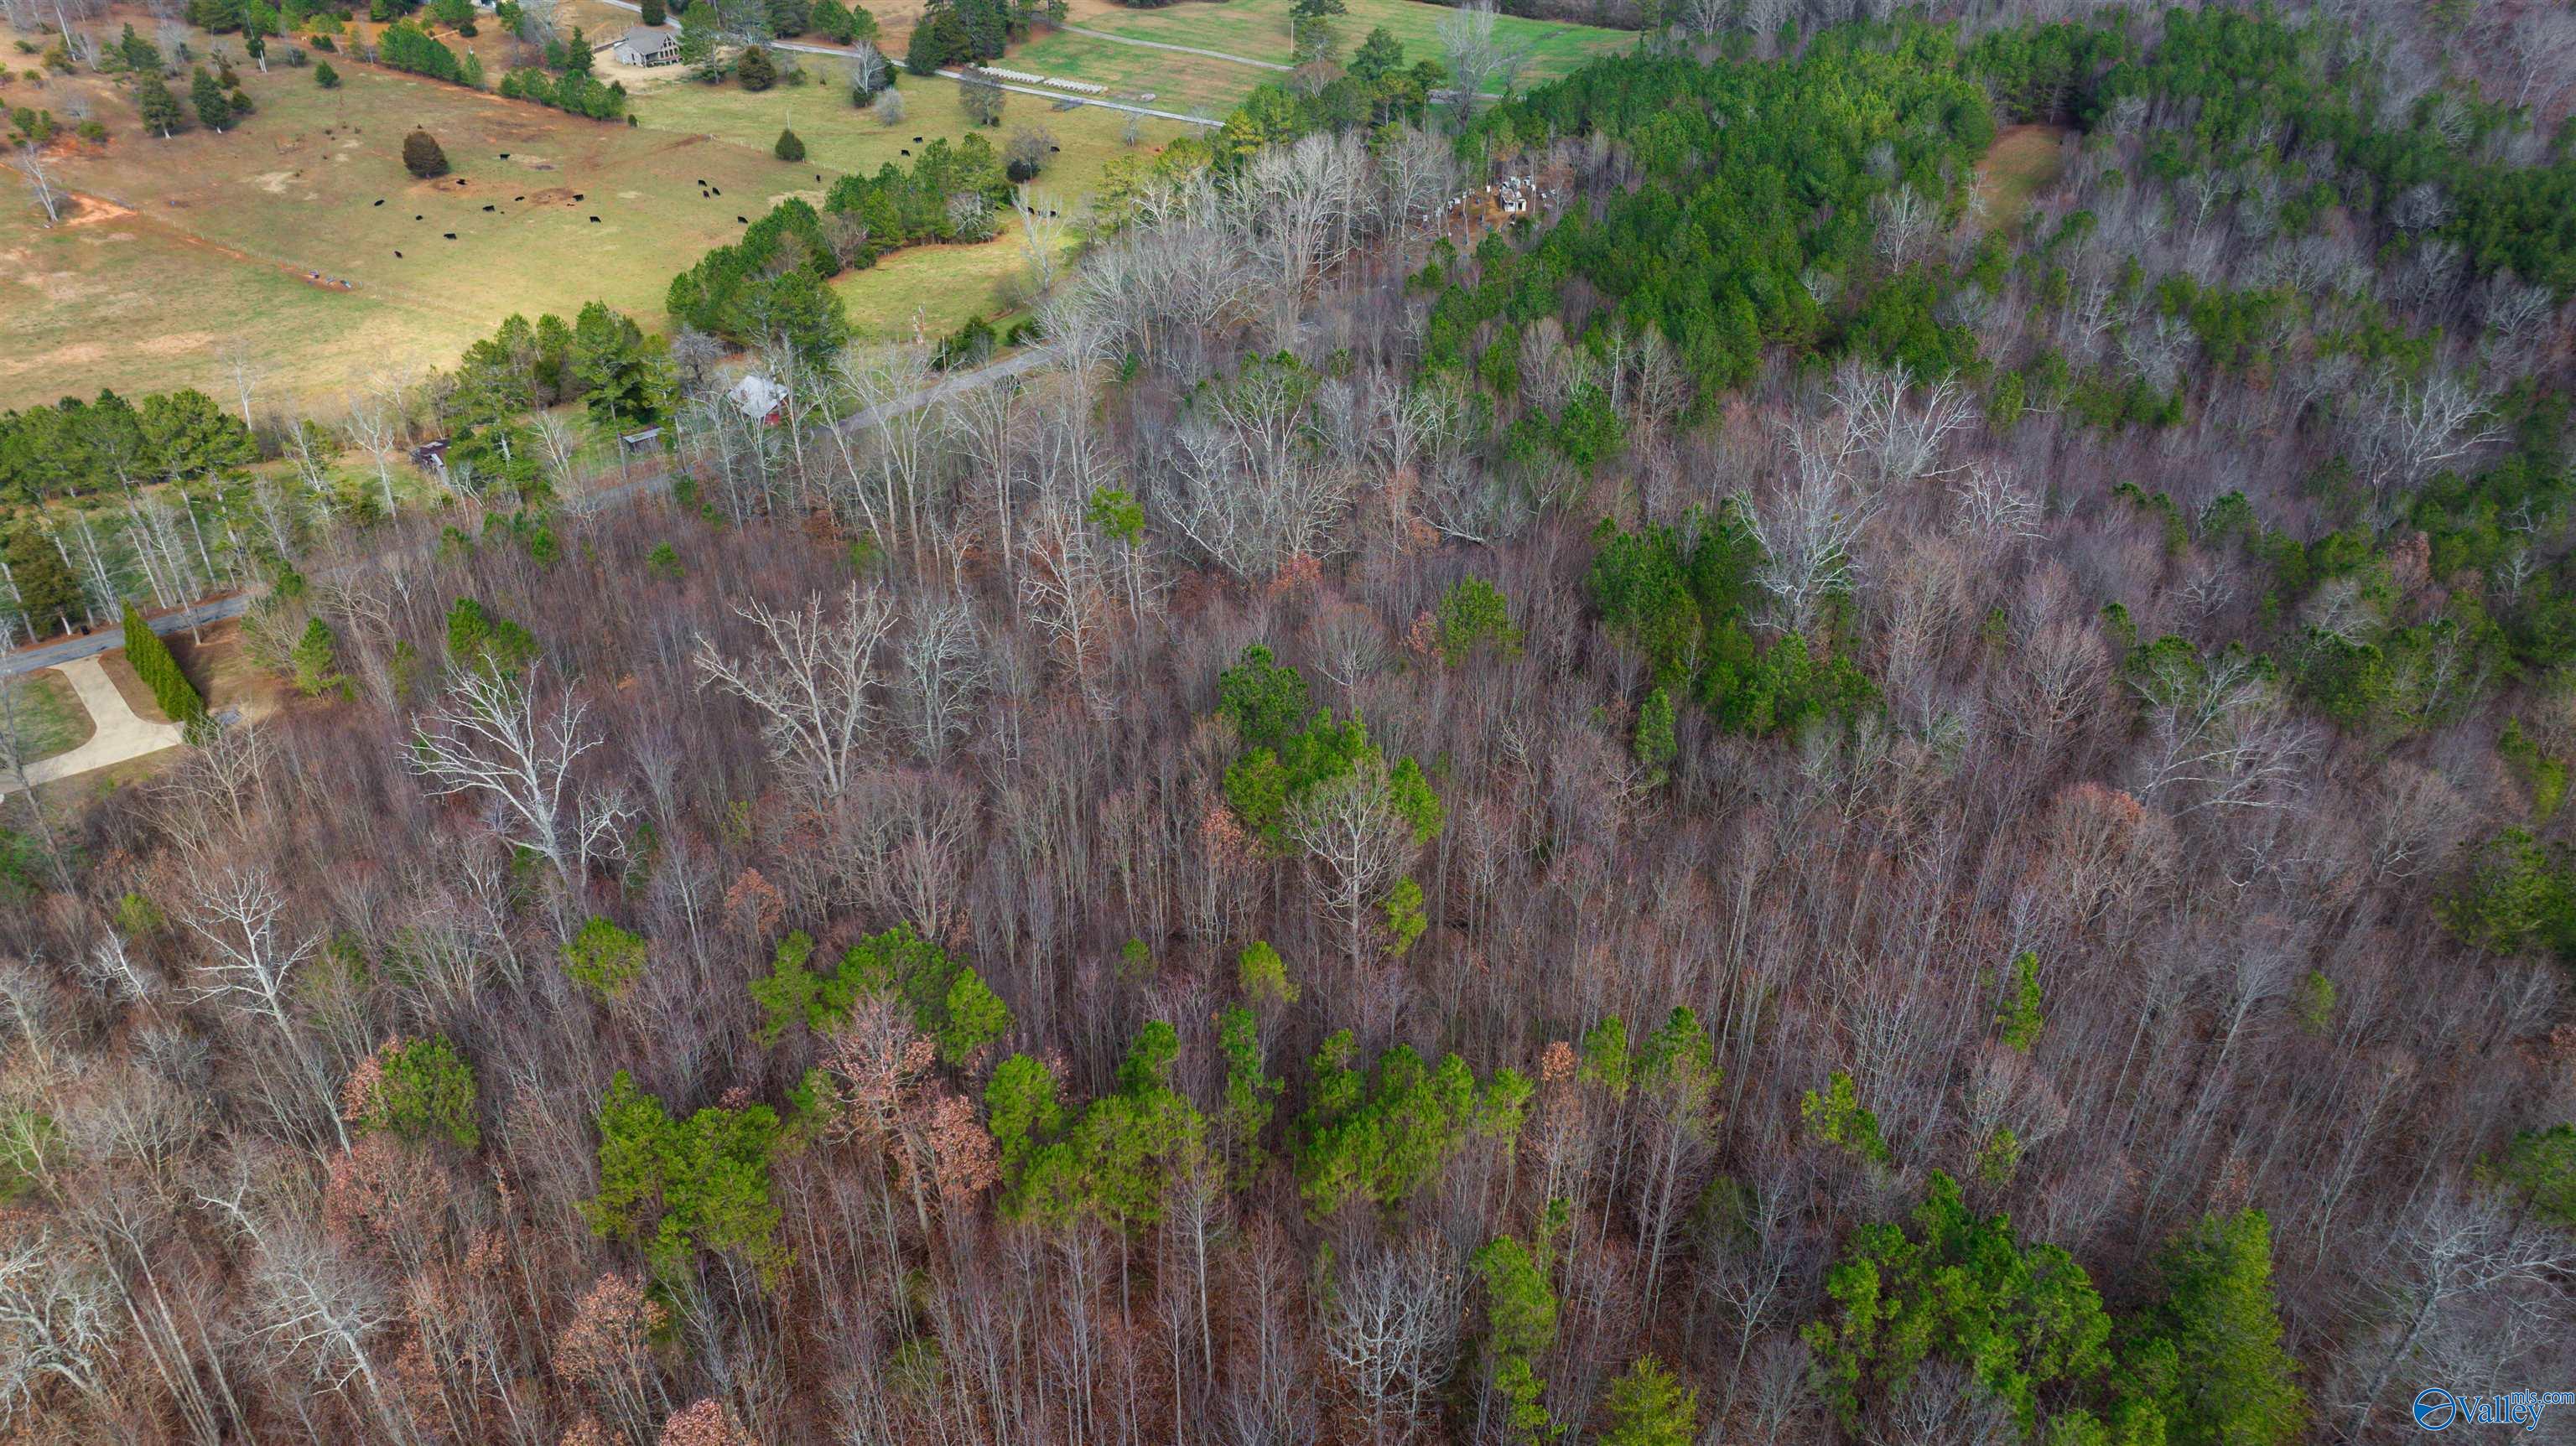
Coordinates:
(90, 210)
(190, 238)
(95, 353)
(64, 286)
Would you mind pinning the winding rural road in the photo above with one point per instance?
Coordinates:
(214, 610)
(1186, 119)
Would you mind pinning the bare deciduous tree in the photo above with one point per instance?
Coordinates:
(1478, 57)
(1042, 227)
(1807, 531)
(941, 655)
(57, 1323)
(1393, 1332)
(492, 739)
(2218, 737)
(2405, 431)
(29, 161)
(2462, 1248)
(375, 424)
(1349, 827)
(813, 682)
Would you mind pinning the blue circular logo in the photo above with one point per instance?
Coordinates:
(2434, 1409)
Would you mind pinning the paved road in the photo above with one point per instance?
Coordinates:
(90, 645)
(214, 610)
(802, 47)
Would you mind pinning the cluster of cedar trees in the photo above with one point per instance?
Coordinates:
(842, 24)
(177, 698)
(215, 100)
(74, 448)
(567, 82)
(970, 32)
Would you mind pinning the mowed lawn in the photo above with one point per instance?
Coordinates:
(190, 246)
(47, 715)
(1192, 84)
(1258, 29)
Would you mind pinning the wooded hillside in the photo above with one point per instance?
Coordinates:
(1766, 808)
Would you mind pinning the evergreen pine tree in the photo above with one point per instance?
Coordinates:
(150, 658)
(137, 52)
(2233, 1384)
(160, 109)
(324, 76)
(206, 94)
(756, 70)
(1649, 1406)
(789, 148)
(655, 13)
(317, 661)
(46, 590)
(422, 157)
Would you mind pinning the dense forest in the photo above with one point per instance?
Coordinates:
(1893, 772)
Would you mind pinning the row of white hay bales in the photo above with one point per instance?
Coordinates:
(1083, 87)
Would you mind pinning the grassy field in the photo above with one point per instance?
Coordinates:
(184, 247)
(1258, 29)
(1192, 84)
(49, 715)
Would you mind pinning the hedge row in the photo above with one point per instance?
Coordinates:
(179, 699)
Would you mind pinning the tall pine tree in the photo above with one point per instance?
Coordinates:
(206, 93)
(46, 590)
(2231, 1383)
(159, 108)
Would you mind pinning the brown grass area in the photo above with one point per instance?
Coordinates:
(2023, 161)
(129, 686)
(222, 669)
(186, 246)
(97, 783)
(203, 239)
